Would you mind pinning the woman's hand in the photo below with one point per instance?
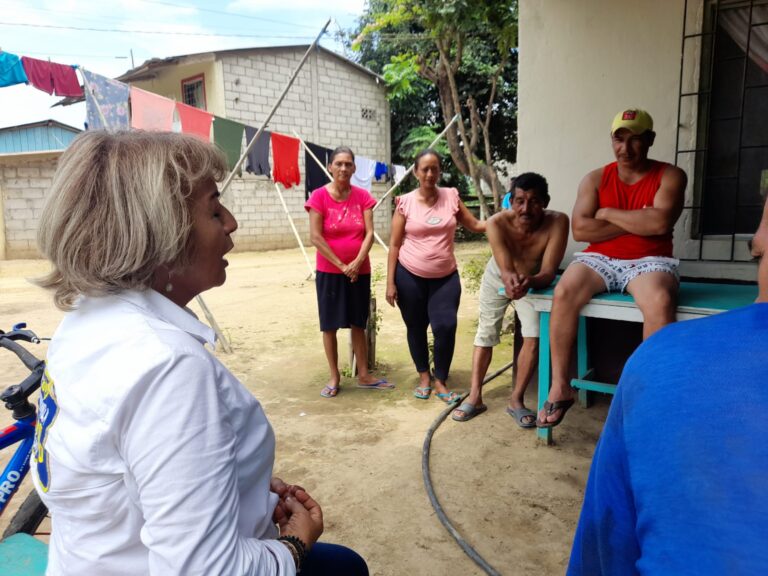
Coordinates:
(300, 516)
(391, 294)
(352, 270)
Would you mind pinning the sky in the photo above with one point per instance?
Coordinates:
(101, 35)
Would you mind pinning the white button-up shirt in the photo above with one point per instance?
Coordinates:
(151, 456)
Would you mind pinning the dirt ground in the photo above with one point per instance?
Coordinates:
(359, 455)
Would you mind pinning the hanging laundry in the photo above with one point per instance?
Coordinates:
(399, 172)
(285, 155)
(195, 121)
(228, 135)
(258, 156)
(151, 111)
(363, 176)
(11, 70)
(105, 98)
(38, 73)
(314, 175)
(65, 82)
(381, 171)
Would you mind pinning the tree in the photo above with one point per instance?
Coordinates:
(464, 51)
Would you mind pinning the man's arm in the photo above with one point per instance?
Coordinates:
(494, 230)
(553, 252)
(657, 219)
(586, 227)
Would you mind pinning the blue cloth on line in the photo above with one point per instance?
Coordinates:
(506, 201)
(11, 70)
(380, 171)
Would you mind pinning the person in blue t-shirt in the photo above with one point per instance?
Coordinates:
(678, 480)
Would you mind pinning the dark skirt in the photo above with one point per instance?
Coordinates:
(342, 303)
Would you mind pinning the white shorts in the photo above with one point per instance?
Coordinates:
(493, 306)
(618, 273)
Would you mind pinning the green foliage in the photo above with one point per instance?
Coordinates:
(399, 40)
(472, 272)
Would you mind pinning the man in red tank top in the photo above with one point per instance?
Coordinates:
(626, 211)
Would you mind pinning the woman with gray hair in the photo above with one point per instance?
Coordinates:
(151, 456)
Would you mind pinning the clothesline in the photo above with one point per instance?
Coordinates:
(122, 107)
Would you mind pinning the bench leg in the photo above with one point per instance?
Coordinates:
(544, 435)
(582, 360)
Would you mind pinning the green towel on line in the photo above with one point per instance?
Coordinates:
(228, 135)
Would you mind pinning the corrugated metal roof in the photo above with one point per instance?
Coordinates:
(45, 136)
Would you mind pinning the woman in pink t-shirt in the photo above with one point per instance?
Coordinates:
(341, 228)
(421, 272)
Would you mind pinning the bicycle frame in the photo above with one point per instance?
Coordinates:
(22, 431)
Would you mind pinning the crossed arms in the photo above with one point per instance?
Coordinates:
(594, 224)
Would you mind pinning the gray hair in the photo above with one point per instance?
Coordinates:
(118, 209)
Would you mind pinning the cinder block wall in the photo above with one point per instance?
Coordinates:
(24, 183)
(331, 103)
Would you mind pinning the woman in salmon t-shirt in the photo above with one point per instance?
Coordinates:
(341, 228)
(421, 273)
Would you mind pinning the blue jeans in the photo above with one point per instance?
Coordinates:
(333, 560)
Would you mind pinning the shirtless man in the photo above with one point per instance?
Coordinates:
(626, 210)
(528, 243)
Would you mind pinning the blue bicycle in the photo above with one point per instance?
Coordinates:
(16, 398)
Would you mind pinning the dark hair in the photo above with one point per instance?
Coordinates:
(532, 181)
(341, 150)
(427, 152)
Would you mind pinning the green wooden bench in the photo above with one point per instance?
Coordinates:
(695, 300)
(23, 555)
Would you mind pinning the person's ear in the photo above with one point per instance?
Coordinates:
(651, 138)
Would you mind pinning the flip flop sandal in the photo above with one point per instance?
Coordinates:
(549, 409)
(422, 392)
(519, 414)
(448, 397)
(329, 391)
(380, 384)
(468, 411)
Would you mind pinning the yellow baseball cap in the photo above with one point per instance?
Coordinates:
(633, 119)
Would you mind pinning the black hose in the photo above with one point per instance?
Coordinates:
(444, 520)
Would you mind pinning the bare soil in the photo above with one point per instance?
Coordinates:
(359, 454)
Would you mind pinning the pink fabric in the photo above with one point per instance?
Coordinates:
(38, 73)
(427, 249)
(65, 82)
(150, 111)
(195, 121)
(343, 226)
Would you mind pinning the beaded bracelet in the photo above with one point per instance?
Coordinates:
(297, 547)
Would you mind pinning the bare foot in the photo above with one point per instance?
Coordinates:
(517, 404)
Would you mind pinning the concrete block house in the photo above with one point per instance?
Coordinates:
(333, 102)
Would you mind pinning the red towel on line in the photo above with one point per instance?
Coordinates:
(285, 158)
(38, 73)
(51, 77)
(150, 111)
(195, 121)
(65, 82)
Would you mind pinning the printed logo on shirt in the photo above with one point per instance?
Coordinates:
(47, 409)
(434, 221)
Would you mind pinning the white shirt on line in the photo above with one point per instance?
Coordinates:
(159, 459)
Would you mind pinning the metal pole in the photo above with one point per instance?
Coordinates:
(295, 232)
(265, 123)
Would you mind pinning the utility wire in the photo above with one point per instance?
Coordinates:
(162, 32)
(238, 15)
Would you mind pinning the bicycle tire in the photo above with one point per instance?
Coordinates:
(29, 516)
